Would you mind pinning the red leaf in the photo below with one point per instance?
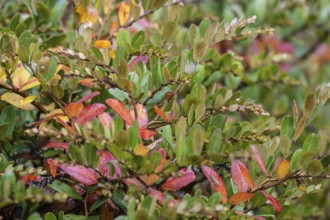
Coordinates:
(241, 176)
(216, 182)
(80, 173)
(273, 201)
(158, 195)
(133, 181)
(240, 197)
(259, 159)
(88, 97)
(106, 157)
(142, 115)
(146, 134)
(52, 167)
(160, 113)
(185, 177)
(89, 112)
(162, 163)
(105, 119)
(29, 178)
(73, 109)
(120, 108)
(58, 145)
(143, 58)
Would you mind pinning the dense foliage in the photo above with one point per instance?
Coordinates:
(164, 109)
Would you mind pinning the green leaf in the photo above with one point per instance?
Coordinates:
(100, 201)
(310, 104)
(119, 94)
(51, 69)
(285, 145)
(90, 154)
(138, 40)
(295, 159)
(200, 48)
(118, 198)
(42, 10)
(310, 143)
(50, 216)
(315, 168)
(55, 40)
(287, 126)
(64, 188)
(169, 30)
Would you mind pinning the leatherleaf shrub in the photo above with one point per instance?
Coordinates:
(147, 109)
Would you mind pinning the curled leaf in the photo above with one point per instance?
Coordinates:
(184, 178)
(216, 182)
(283, 169)
(120, 109)
(259, 159)
(80, 173)
(89, 112)
(273, 201)
(240, 197)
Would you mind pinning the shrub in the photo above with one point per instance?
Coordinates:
(130, 110)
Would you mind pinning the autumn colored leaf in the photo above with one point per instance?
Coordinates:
(27, 100)
(52, 167)
(141, 150)
(246, 175)
(250, 216)
(241, 176)
(160, 113)
(89, 112)
(105, 119)
(240, 197)
(273, 201)
(143, 58)
(216, 182)
(114, 27)
(88, 82)
(92, 15)
(120, 109)
(80, 173)
(58, 145)
(102, 44)
(184, 178)
(81, 12)
(146, 134)
(259, 159)
(88, 97)
(29, 178)
(283, 169)
(142, 115)
(162, 163)
(149, 179)
(73, 109)
(133, 181)
(64, 124)
(105, 158)
(16, 100)
(22, 79)
(123, 13)
(158, 195)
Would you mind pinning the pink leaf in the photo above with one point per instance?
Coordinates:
(106, 157)
(58, 145)
(184, 178)
(162, 163)
(80, 173)
(120, 109)
(259, 159)
(142, 115)
(143, 58)
(216, 182)
(158, 195)
(273, 201)
(238, 177)
(89, 112)
(146, 134)
(105, 119)
(133, 181)
(88, 97)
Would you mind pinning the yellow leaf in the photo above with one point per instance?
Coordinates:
(106, 6)
(283, 169)
(114, 27)
(123, 13)
(27, 100)
(82, 13)
(22, 79)
(112, 54)
(16, 100)
(58, 110)
(102, 44)
(92, 15)
(141, 150)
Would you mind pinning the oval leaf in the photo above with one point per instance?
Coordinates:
(184, 177)
(73, 109)
(216, 182)
(121, 110)
(105, 119)
(273, 201)
(89, 112)
(259, 159)
(240, 197)
(283, 169)
(80, 173)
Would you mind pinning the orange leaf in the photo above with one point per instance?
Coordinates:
(120, 109)
(146, 134)
(246, 175)
(273, 201)
(241, 176)
(184, 178)
(114, 27)
(149, 179)
(101, 44)
(69, 128)
(52, 167)
(283, 169)
(89, 112)
(123, 13)
(73, 109)
(160, 113)
(82, 13)
(105, 119)
(216, 182)
(80, 173)
(240, 197)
